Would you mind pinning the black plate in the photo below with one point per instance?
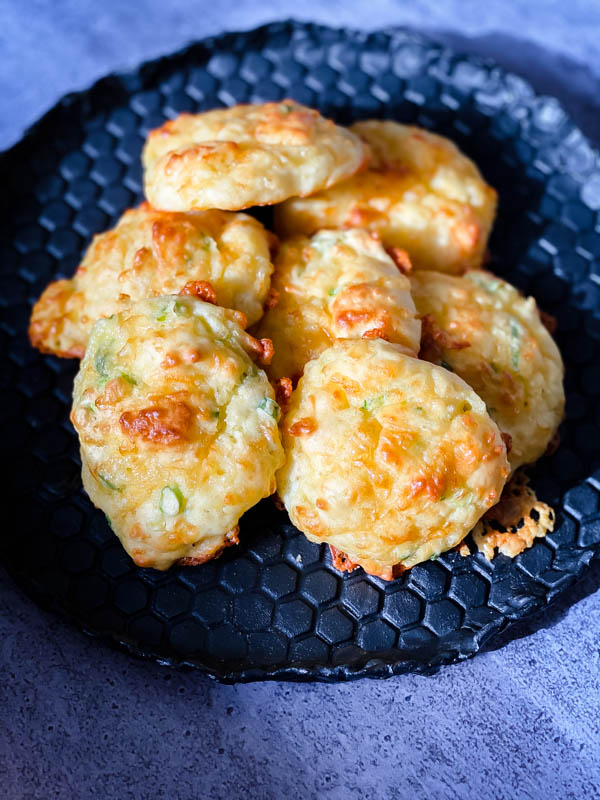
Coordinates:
(274, 607)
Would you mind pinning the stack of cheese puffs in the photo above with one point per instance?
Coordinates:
(358, 362)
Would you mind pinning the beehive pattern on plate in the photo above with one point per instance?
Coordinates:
(274, 606)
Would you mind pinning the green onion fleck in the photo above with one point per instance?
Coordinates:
(171, 501)
(163, 313)
(515, 336)
(100, 364)
(202, 328)
(109, 520)
(216, 413)
(332, 292)
(434, 557)
(182, 309)
(269, 407)
(459, 499)
(108, 484)
(489, 286)
(373, 403)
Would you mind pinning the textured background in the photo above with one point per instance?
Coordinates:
(79, 720)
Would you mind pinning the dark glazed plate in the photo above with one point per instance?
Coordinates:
(274, 607)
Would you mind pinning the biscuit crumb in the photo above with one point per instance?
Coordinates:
(283, 392)
(262, 350)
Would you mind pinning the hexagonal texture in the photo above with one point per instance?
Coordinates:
(212, 606)
(172, 600)
(443, 617)
(334, 626)
(360, 597)
(469, 588)
(376, 635)
(320, 586)
(294, 617)
(252, 611)
(273, 605)
(278, 579)
(130, 595)
(403, 608)
(187, 636)
(238, 574)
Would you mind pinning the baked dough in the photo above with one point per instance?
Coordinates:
(389, 459)
(152, 253)
(420, 193)
(336, 285)
(247, 155)
(483, 329)
(177, 426)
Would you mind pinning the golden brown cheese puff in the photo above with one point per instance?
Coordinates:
(420, 193)
(248, 155)
(151, 253)
(484, 330)
(389, 459)
(336, 285)
(177, 427)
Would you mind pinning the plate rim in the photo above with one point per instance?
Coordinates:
(375, 668)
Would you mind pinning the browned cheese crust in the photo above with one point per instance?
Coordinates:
(511, 526)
